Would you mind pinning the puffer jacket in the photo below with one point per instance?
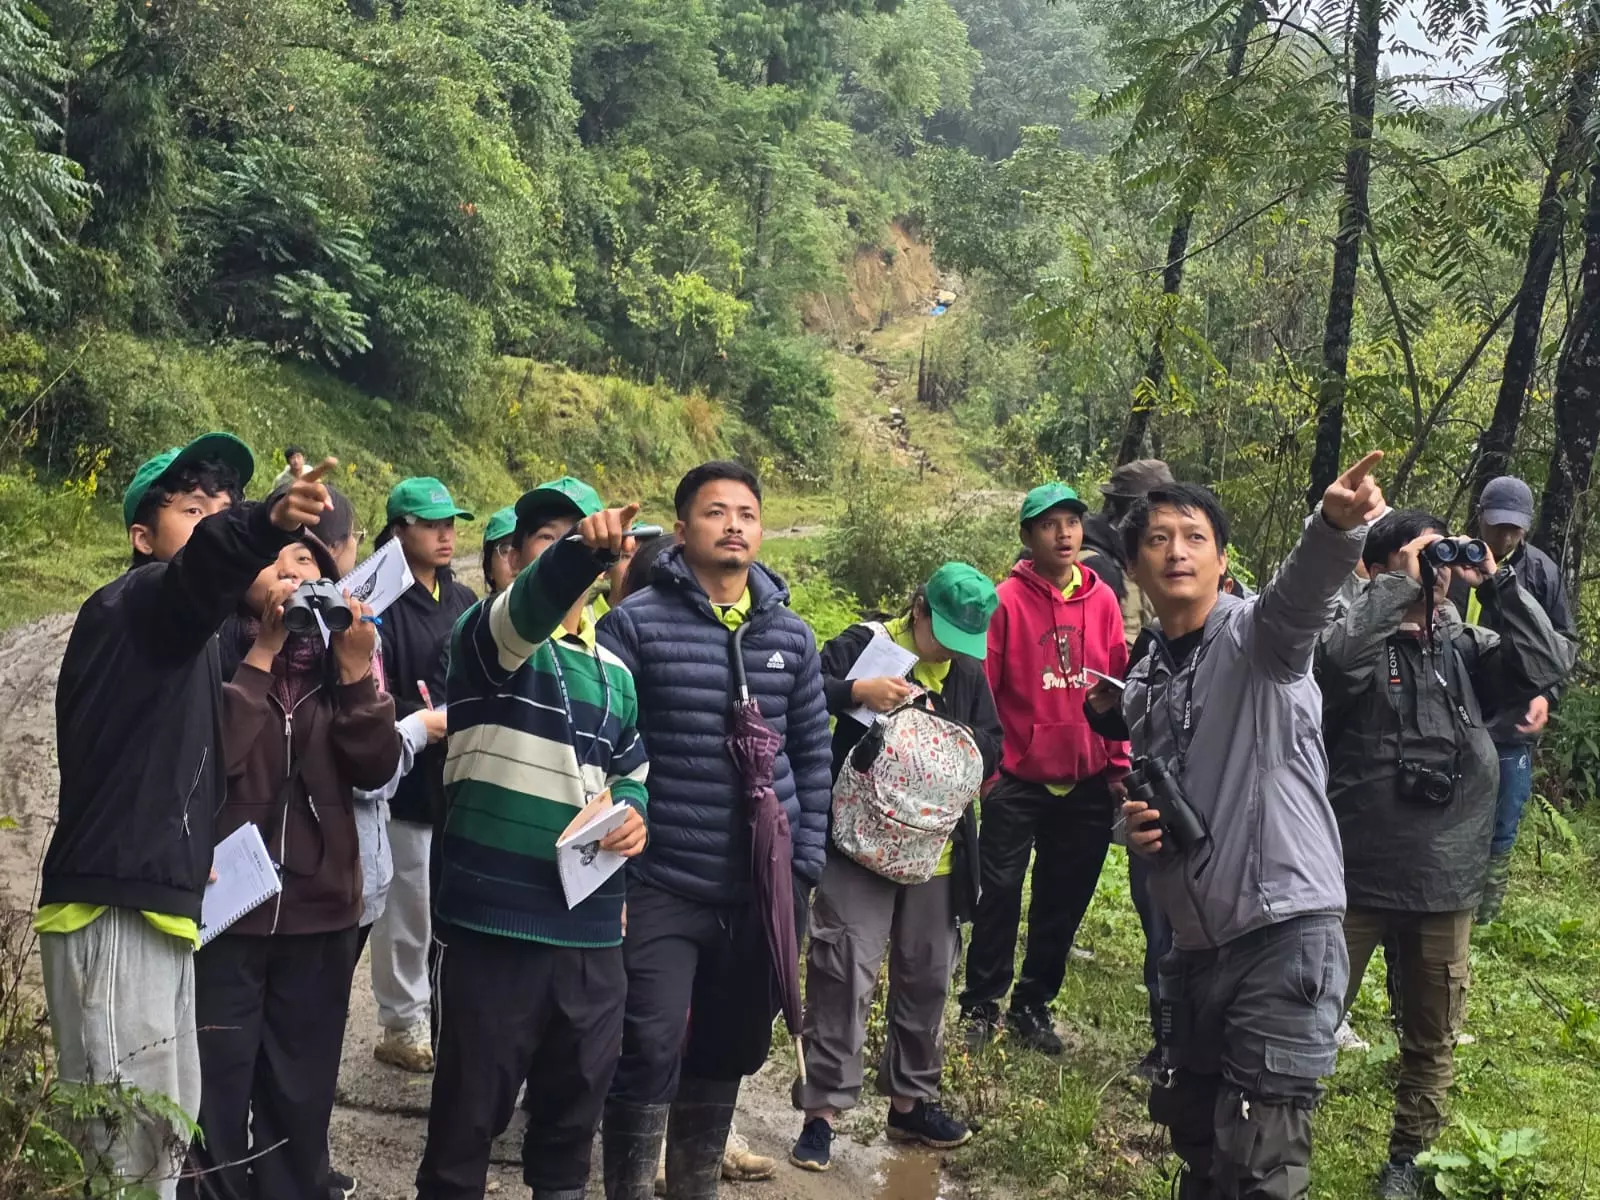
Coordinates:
(1252, 762)
(1394, 706)
(678, 651)
(1540, 578)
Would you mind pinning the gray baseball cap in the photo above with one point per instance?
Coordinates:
(1134, 479)
(1506, 501)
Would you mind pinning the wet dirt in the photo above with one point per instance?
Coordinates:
(380, 1123)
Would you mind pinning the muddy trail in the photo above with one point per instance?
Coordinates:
(381, 1118)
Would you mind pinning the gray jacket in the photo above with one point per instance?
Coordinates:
(1394, 707)
(1254, 765)
(372, 823)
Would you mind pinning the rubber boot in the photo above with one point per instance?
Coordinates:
(1495, 884)
(563, 1194)
(697, 1135)
(630, 1139)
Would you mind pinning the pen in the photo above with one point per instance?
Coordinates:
(371, 620)
(422, 688)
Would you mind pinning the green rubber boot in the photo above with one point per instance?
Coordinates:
(1495, 884)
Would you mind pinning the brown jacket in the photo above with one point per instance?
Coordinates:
(343, 737)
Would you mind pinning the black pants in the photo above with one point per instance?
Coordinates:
(1157, 933)
(271, 1014)
(511, 1010)
(1067, 837)
(1249, 1031)
(684, 955)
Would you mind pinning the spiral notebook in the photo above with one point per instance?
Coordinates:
(246, 879)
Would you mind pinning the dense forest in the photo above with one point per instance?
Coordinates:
(1247, 237)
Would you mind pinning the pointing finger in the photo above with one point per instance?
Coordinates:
(322, 468)
(1357, 473)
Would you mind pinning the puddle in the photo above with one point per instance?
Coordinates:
(909, 1176)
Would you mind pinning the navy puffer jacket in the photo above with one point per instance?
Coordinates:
(679, 653)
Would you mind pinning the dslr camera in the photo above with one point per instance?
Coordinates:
(1456, 551)
(1426, 787)
(1155, 783)
(311, 599)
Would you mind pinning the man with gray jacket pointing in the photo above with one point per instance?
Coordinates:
(1228, 800)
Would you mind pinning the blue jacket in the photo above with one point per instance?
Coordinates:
(678, 651)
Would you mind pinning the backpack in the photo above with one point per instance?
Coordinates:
(903, 789)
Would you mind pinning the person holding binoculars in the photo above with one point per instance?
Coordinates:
(303, 726)
(1412, 777)
(1224, 718)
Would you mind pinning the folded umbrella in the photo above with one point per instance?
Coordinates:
(754, 746)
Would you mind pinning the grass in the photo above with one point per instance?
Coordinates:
(1076, 1127)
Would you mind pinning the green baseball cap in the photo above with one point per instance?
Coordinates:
(1051, 495)
(208, 447)
(501, 524)
(564, 497)
(961, 599)
(424, 498)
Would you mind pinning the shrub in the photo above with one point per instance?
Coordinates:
(786, 392)
(430, 345)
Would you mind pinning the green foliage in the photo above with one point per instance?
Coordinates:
(1491, 1166)
(786, 392)
(1570, 752)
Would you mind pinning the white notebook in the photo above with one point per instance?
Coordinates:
(583, 865)
(246, 879)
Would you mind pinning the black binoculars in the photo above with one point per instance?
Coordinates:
(311, 599)
(1154, 783)
(1449, 552)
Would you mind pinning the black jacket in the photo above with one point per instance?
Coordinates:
(139, 723)
(966, 698)
(680, 654)
(416, 645)
(1540, 578)
(1102, 549)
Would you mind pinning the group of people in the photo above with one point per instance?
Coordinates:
(1263, 757)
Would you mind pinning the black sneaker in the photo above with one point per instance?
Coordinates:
(978, 1027)
(340, 1185)
(1399, 1180)
(1035, 1029)
(813, 1150)
(928, 1124)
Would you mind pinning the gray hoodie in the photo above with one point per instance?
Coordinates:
(372, 823)
(1252, 762)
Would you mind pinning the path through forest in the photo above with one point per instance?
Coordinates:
(380, 1122)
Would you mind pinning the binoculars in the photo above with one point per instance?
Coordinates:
(1449, 552)
(318, 597)
(1156, 784)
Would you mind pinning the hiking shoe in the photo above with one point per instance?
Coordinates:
(1348, 1039)
(813, 1150)
(741, 1165)
(409, 1049)
(1399, 1180)
(340, 1185)
(978, 1027)
(1035, 1029)
(928, 1124)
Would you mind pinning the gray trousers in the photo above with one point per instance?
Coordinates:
(121, 999)
(855, 916)
(1248, 1030)
(400, 936)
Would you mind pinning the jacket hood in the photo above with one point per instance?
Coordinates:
(1024, 571)
(767, 588)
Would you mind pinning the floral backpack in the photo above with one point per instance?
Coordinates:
(902, 790)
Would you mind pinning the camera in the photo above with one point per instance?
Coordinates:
(1447, 552)
(1426, 787)
(311, 599)
(1153, 782)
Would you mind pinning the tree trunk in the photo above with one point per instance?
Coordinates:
(1137, 428)
(1326, 453)
(1522, 352)
(1577, 408)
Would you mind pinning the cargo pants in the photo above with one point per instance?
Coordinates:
(1248, 1031)
(1428, 953)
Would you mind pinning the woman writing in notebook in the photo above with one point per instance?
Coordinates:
(304, 725)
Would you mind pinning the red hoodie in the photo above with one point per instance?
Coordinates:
(1039, 641)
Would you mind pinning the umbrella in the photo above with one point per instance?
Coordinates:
(754, 745)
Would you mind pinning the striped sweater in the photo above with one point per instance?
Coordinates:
(512, 777)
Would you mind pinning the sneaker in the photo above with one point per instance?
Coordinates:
(340, 1185)
(928, 1124)
(1035, 1029)
(1399, 1180)
(409, 1049)
(740, 1165)
(813, 1150)
(978, 1027)
(1348, 1039)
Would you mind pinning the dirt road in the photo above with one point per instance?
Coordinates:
(380, 1123)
